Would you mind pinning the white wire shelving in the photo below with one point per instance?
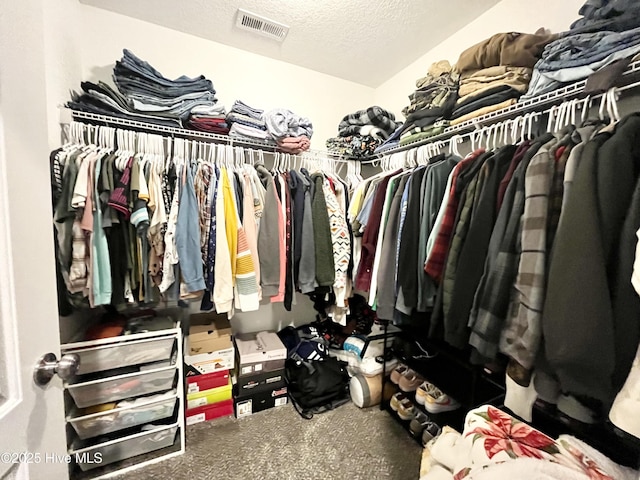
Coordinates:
(569, 92)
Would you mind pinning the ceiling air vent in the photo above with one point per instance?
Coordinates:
(261, 25)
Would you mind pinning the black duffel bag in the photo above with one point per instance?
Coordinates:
(317, 386)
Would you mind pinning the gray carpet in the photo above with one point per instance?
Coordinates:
(347, 443)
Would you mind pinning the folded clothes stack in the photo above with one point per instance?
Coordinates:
(576, 56)
(607, 15)
(363, 131)
(496, 72)
(431, 103)
(354, 146)
(291, 131)
(294, 145)
(145, 94)
(209, 119)
(247, 122)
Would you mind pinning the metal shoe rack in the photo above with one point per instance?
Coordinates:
(448, 369)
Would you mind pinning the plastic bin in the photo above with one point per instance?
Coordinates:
(89, 426)
(126, 447)
(122, 354)
(120, 387)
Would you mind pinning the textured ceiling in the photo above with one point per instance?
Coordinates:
(365, 41)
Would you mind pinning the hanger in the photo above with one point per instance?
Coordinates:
(550, 120)
(603, 101)
(612, 108)
(586, 105)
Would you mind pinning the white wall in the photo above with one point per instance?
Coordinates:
(259, 81)
(507, 16)
(63, 59)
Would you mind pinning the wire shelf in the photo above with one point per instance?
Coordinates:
(266, 145)
(570, 91)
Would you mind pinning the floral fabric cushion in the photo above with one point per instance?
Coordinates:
(493, 436)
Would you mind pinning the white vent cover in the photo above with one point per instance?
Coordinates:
(258, 24)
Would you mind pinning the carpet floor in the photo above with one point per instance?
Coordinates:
(346, 443)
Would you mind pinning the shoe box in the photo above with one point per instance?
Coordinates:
(209, 412)
(210, 396)
(258, 353)
(207, 381)
(209, 345)
(257, 401)
(208, 404)
(260, 382)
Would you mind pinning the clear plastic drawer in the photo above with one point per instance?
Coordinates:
(122, 354)
(126, 447)
(111, 389)
(142, 410)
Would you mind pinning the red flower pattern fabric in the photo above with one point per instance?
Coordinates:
(503, 433)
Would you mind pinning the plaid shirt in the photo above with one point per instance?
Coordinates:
(201, 183)
(376, 116)
(521, 336)
(435, 263)
(557, 192)
(492, 296)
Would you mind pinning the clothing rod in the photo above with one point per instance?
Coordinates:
(268, 146)
(556, 96)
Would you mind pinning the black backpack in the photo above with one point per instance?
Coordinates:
(317, 386)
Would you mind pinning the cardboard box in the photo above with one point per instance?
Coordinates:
(209, 412)
(209, 397)
(209, 362)
(259, 401)
(259, 352)
(260, 382)
(208, 333)
(207, 381)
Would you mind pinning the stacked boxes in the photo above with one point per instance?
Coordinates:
(259, 370)
(209, 360)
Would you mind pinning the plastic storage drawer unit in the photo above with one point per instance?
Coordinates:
(127, 447)
(123, 354)
(120, 387)
(155, 409)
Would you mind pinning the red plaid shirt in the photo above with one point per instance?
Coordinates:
(435, 263)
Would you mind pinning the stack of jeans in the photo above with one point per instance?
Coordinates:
(247, 122)
(150, 92)
(574, 57)
(145, 94)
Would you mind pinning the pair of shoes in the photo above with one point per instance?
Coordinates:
(404, 407)
(396, 398)
(424, 390)
(406, 410)
(431, 431)
(397, 373)
(407, 379)
(422, 426)
(437, 401)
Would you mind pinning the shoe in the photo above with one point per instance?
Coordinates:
(410, 381)
(398, 372)
(438, 402)
(431, 430)
(418, 423)
(423, 391)
(395, 400)
(406, 409)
